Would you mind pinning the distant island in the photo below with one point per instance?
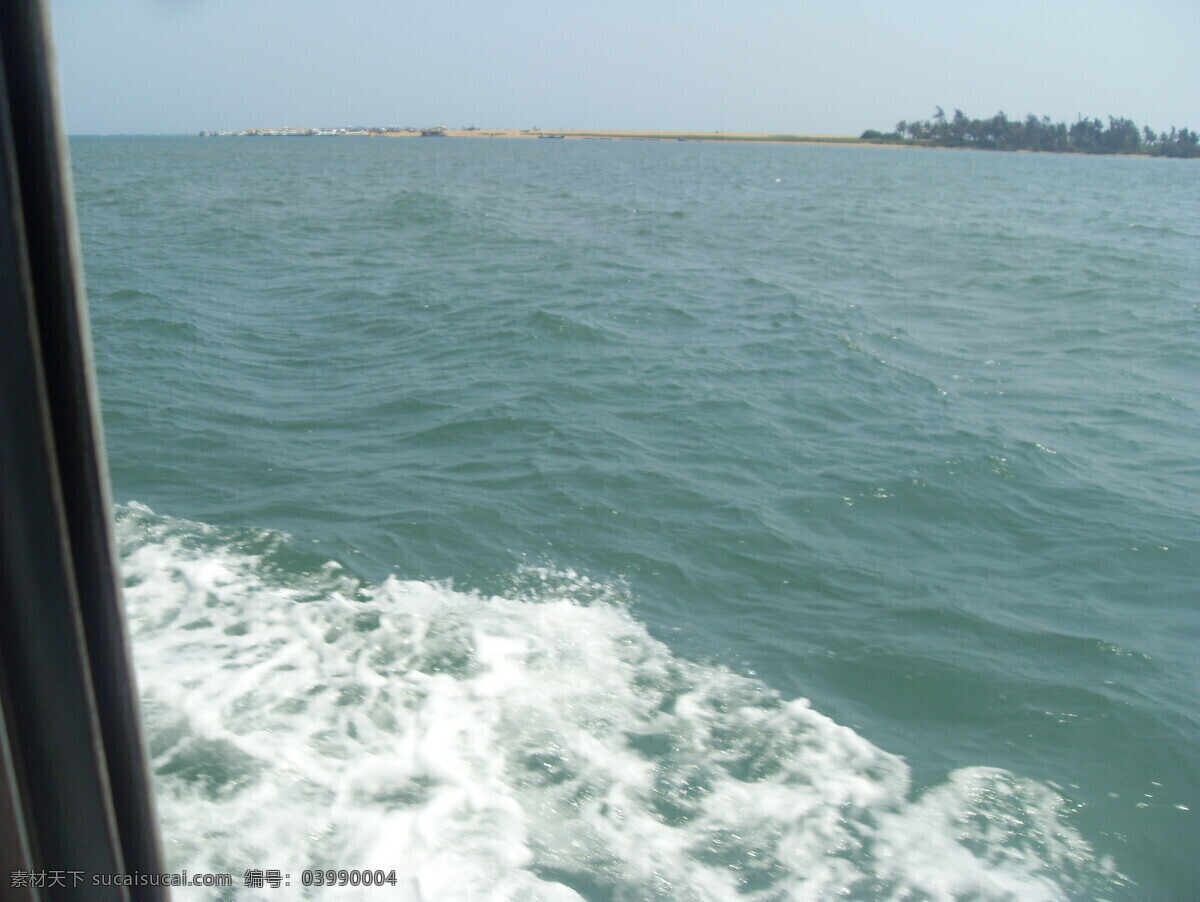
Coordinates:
(1121, 136)
(999, 132)
(441, 131)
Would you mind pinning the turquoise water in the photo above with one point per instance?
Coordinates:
(624, 521)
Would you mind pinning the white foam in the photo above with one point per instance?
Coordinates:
(534, 748)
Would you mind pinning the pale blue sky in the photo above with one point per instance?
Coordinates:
(807, 66)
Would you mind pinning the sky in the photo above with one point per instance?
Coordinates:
(778, 66)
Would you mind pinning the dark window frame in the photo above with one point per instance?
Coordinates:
(75, 795)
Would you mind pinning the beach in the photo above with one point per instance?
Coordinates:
(634, 135)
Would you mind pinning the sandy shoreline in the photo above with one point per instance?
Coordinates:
(573, 135)
(729, 137)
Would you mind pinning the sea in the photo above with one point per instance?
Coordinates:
(545, 521)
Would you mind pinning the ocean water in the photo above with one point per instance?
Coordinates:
(657, 521)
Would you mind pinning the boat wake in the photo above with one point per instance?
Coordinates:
(540, 748)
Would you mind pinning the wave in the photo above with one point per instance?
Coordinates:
(541, 746)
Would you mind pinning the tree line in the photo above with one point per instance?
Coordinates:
(1031, 133)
